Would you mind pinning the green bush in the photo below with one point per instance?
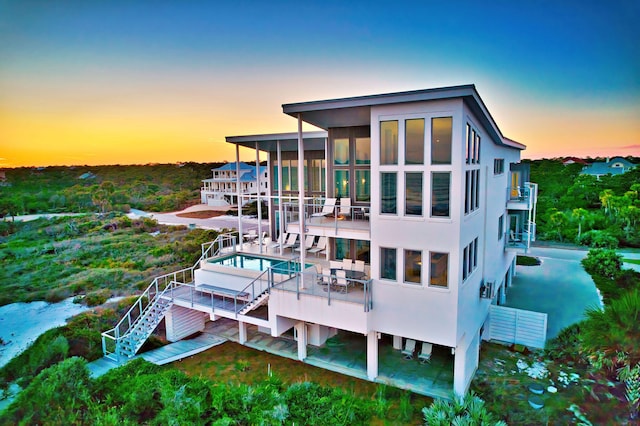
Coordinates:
(566, 346)
(469, 411)
(61, 394)
(603, 262)
(527, 261)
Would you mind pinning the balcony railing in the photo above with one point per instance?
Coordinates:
(338, 217)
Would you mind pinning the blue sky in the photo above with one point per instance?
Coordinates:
(89, 82)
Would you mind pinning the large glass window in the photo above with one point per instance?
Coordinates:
(363, 250)
(343, 248)
(388, 263)
(413, 266)
(388, 142)
(413, 194)
(388, 191)
(441, 140)
(440, 182)
(275, 177)
(294, 175)
(341, 180)
(341, 151)
(363, 150)
(317, 175)
(414, 141)
(363, 191)
(439, 268)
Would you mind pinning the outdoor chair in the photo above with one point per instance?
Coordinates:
(409, 348)
(425, 354)
(308, 243)
(325, 278)
(327, 208)
(251, 235)
(291, 242)
(345, 207)
(263, 239)
(281, 240)
(341, 281)
(359, 266)
(347, 264)
(335, 264)
(320, 247)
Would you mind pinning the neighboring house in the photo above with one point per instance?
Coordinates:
(613, 166)
(222, 188)
(433, 205)
(87, 175)
(573, 160)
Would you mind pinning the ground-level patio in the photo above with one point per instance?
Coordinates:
(346, 352)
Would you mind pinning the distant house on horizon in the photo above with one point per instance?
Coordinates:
(573, 160)
(87, 175)
(222, 188)
(613, 166)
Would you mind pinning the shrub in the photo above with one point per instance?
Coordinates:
(565, 346)
(603, 262)
(58, 395)
(527, 261)
(468, 411)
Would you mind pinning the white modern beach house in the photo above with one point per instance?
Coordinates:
(393, 231)
(222, 188)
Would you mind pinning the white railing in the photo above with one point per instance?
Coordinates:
(111, 339)
(339, 217)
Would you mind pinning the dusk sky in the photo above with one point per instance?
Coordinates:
(136, 82)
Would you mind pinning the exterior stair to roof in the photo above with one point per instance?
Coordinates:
(144, 326)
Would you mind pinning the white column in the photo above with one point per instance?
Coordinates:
(459, 379)
(269, 194)
(372, 355)
(240, 239)
(259, 200)
(280, 209)
(397, 342)
(301, 331)
(242, 332)
(301, 207)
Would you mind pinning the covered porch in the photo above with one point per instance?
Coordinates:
(345, 353)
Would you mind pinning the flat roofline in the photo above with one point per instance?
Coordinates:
(356, 110)
(288, 141)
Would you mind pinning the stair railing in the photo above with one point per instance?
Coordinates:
(111, 339)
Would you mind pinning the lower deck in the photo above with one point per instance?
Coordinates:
(346, 353)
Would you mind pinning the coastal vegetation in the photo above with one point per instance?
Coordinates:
(584, 210)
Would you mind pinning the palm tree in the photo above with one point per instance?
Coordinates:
(614, 330)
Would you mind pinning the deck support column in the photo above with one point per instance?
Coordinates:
(301, 332)
(242, 332)
(372, 355)
(238, 192)
(301, 206)
(281, 226)
(397, 343)
(258, 198)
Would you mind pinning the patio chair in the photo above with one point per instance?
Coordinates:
(425, 354)
(341, 281)
(251, 235)
(409, 348)
(359, 266)
(335, 264)
(326, 278)
(281, 240)
(320, 247)
(291, 242)
(345, 207)
(308, 242)
(263, 239)
(327, 208)
(347, 264)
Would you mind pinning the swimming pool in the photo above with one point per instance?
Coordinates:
(255, 263)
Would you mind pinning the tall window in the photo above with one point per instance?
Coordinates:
(363, 178)
(343, 248)
(388, 191)
(498, 166)
(440, 194)
(500, 227)
(471, 191)
(439, 270)
(467, 147)
(388, 261)
(414, 141)
(413, 194)
(363, 150)
(470, 258)
(441, 140)
(389, 142)
(341, 151)
(341, 180)
(413, 266)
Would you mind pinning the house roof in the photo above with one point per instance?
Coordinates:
(232, 167)
(606, 167)
(288, 141)
(356, 111)
(249, 176)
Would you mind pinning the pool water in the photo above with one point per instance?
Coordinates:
(255, 263)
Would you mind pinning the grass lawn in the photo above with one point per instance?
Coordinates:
(234, 363)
